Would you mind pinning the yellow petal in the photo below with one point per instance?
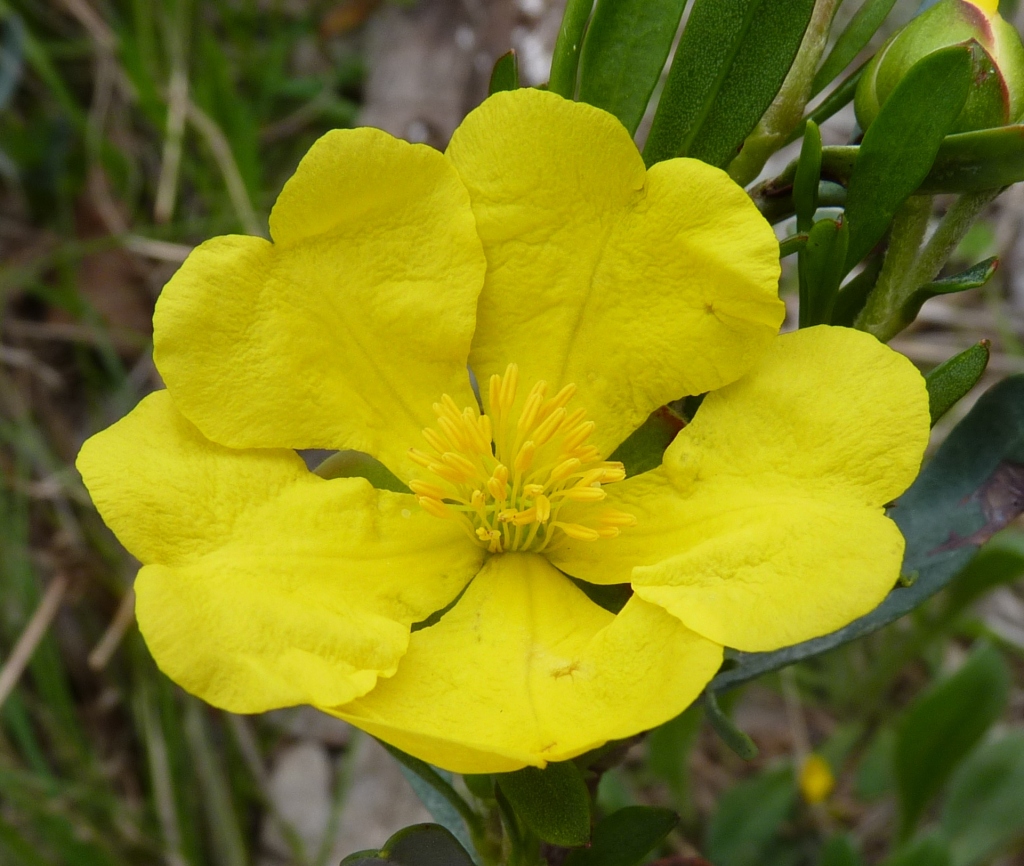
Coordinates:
(765, 526)
(345, 330)
(525, 669)
(265, 585)
(638, 286)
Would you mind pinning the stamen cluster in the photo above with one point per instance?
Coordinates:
(506, 478)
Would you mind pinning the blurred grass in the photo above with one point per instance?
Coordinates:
(127, 135)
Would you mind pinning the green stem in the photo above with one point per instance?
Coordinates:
(888, 296)
(787, 109)
(566, 58)
(881, 315)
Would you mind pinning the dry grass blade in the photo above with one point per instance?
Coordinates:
(26, 644)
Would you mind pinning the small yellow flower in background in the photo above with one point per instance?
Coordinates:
(816, 779)
(583, 292)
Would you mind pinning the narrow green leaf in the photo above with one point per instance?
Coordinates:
(851, 41)
(984, 810)
(356, 464)
(505, 75)
(942, 726)
(435, 791)
(730, 63)
(566, 58)
(748, 818)
(951, 380)
(960, 500)
(553, 802)
(973, 278)
(624, 52)
(668, 749)
(808, 176)
(726, 728)
(852, 297)
(792, 244)
(839, 98)
(645, 446)
(625, 837)
(821, 271)
(976, 161)
(929, 851)
(12, 56)
(840, 851)
(899, 148)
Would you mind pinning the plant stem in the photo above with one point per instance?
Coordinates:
(786, 111)
(905, 238)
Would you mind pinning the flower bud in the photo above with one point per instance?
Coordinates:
(996, 96)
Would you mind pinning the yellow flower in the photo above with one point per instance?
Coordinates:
(583, 292)
(816, 779)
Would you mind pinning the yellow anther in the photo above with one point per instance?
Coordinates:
(436, 441)
(509, 386)
(577, 531)
(434, 506)
(494, 393)
(425, 488)
(582, 494)
(483, 423)
(549, 427)
(524, 518)
(532, 407)
(498, 474)
(577, 435)
(587, 454)
(614, 517)
(455, 432)
(460, 463)
(591, 477)
(524, 459)
(613, 472)
(424, 460)
(564, 469)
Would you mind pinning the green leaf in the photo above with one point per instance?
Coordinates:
(435, 791)
(821, 271)
(505, 75)
(730, 63)
(625, 837)
(929, 851)
(874, 777)
(969, 491)
(976, 161)
(840, 851)
(731, 735)
(566, 57)
(973, 278)
(356, 464)
(668, 749)
(12, 56)
(942, 726)
(839, 98)
(792, 244)
(900, 146)
(999, 562)
(419, 845)
(851, 41)
(851, 298)
(808, 176)
(624, 53)
(553, 802)
(644, 447)
(984, 810)
(952, 379)
(748, 818)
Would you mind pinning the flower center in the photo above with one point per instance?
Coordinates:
(507, 478)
